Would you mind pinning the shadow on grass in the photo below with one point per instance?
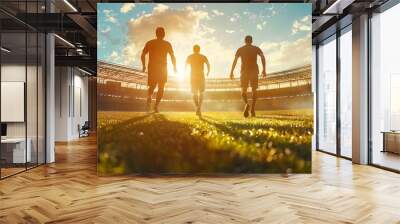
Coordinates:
(281, 141)
(227, 127)
(152, 144)
(286, 125)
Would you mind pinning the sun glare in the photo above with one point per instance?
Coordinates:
(180, 74)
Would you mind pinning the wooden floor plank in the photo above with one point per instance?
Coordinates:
(69, 191)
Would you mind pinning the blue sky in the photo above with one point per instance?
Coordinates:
(283, 31)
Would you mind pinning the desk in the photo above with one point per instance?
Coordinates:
(391, 141)
(13, 150)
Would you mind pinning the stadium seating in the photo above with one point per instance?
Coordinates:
(124, 88)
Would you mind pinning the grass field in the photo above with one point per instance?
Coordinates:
(220, 142)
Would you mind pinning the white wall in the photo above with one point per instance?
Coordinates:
(71, 102)
(33, 127)
(14, 73)
(61, 103)
(80, 110)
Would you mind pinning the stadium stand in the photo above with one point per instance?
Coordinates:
(122, 88)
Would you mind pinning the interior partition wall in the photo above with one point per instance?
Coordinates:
(385, 89)
(334, 94)
(22, 77)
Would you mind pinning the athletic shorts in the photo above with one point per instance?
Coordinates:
(246, 79)
(197, 84)
(157, 75)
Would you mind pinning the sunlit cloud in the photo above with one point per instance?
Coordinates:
(160, 8)
(106, 30)
(272, 12)
(114, 57)
(217, 13)
(211, 28)
(287, 54)
(235, 17)
(109, 17)
(184, 28)
(126, 7)
(303, 24)
(261, 26)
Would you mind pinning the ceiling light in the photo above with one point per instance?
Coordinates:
(79, 51)
(331, 7)
(64, 40)
(337, 7)
(70, 5)
(5, 50)
(86, 72)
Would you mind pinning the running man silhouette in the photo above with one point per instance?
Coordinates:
(157, 69)
(196, 62)
(249, 72)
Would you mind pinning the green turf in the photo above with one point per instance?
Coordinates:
(220, 142)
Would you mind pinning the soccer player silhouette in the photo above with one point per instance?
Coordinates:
(196, 62)
(157, 68)
(249, 72)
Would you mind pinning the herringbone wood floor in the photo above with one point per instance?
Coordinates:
(69, 191)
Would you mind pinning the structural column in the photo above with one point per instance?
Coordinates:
(50, 92)
(360, 89)
(50, 99)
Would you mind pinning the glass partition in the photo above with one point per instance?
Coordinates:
(22, 88)
(13, 94)
(327, 95)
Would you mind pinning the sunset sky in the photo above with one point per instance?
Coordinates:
(282, 31)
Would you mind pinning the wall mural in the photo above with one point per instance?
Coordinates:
(196, 88)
